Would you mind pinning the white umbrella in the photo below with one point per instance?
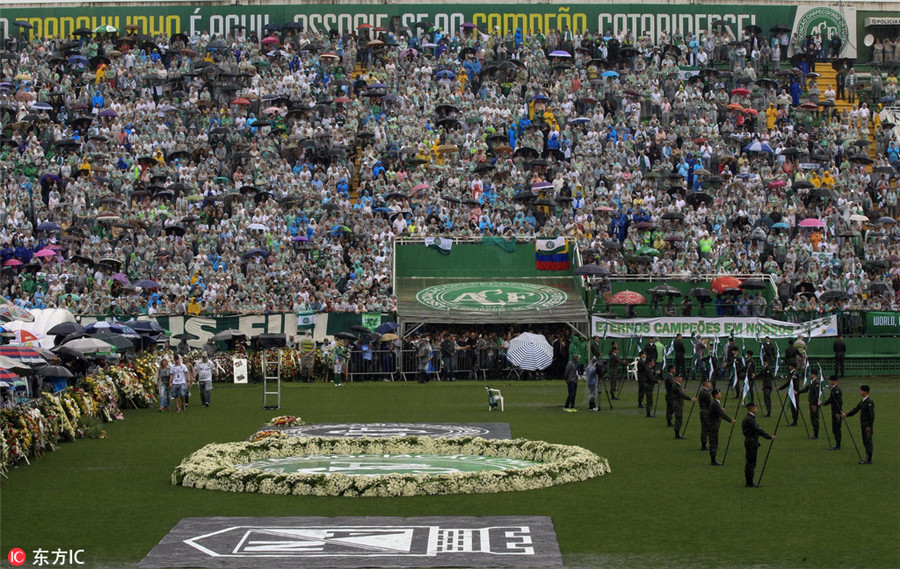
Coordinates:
(258, 227)
(89, 346)
(530, 352)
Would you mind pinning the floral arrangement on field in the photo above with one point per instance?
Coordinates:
(213, 467)
(103, 391)
(265, 433)
(131, 387)
(285, 421)
(290, 363)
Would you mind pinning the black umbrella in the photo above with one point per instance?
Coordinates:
(188, 336)
(665, 289)
(697, 198)
(592, 270)
(834, 294)
(68, 354)
(229, 335)
(612, 245)
(753, 284)
(64, 328)
(346, 336)
(54, 371)
(673, 215)
(880, 288)
(359, 328)
(700, 293)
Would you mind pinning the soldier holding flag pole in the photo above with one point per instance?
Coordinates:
(743, 400)
(836, 402)
(812, 388)
(716, 415)
(793, 380)
(752, 432)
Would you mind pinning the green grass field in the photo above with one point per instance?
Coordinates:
(662, 505)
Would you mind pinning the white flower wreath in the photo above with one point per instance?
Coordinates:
(213, 467)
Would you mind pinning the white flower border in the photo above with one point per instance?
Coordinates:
(212, 467)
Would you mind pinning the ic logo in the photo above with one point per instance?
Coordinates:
(16, 557)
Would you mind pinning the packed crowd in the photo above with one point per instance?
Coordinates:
(205, 175)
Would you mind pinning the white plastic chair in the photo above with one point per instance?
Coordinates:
(633, 369)
(494, 398)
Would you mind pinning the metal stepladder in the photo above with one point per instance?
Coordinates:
(267, 364)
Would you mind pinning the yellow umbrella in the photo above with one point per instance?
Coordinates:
(22, 77)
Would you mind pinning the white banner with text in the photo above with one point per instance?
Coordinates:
(737, 326)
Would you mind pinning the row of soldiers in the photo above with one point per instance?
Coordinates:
(738, 370)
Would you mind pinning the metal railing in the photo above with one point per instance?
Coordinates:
(403, 365)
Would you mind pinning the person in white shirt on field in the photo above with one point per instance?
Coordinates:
(204, 370)
(178, 383)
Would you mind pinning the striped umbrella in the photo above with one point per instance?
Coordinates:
(24, 354)
(530, 352)
(7, 378)
(627, 297)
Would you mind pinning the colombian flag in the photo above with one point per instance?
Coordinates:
(551, 254)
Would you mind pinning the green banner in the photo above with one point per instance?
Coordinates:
(652, 19)
(883, 323)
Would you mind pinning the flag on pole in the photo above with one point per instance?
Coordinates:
(551, 254)
(745, 392)
(735, 380)
(777, 358)
(792, 396)
(442, 245)
(821, 382)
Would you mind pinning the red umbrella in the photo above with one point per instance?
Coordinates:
(342, 99)
(240, 101)
(777, 184)
(270, 40)
(740, 91)
(720, 284)
(364, 27)
(627, 297)
(12, 263)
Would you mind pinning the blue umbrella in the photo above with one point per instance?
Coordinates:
(579, 120)
(757, 146)
(609, 74)
(146, 326)
(78, 60)
(386, 327)
(109, 327)
(445, 74)
(780, 225)
(539, 97)
(49, 226)
(42, 106)
(146, 283)
(256, 251)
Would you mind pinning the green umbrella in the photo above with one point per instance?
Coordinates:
(105, 30)
(647, 251)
